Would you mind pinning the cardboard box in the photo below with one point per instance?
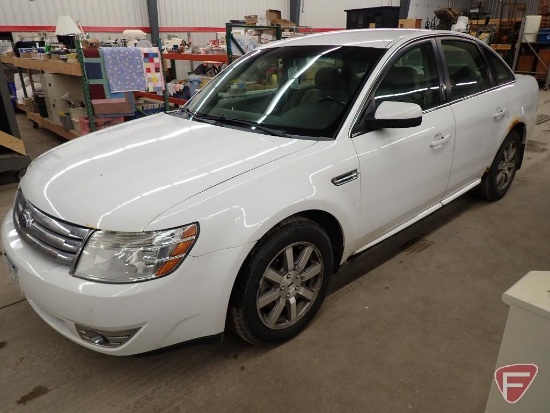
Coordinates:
(410, 23)
(100, 123)
(272, 14)
(282, 23)
(112, 106)
(251, 19)
(525, 64)
(286, 35)
(266, 38)
(544, 54)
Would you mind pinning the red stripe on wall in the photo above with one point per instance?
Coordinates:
(191, 29)
(222, 29)
(113, 29)
(165, 29)
(27, 28)
(88, 29)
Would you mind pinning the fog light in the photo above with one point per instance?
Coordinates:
(104, 338)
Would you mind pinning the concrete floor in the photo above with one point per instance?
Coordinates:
(412, 325)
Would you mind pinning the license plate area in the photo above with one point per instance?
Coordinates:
(12, 270)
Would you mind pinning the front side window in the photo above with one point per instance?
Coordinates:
(468, 70)
(413, 78)
(295, 90)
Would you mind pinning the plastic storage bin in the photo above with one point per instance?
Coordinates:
(194, 82)
(76, 114)
(65, 119)
(544, 36)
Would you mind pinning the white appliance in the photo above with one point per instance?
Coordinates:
(55, 88)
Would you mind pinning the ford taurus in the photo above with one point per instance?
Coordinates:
(237, 209)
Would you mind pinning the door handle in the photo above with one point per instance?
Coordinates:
(499, 113)
(439, 140)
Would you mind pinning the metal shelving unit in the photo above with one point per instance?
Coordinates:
(230, 39)
(85, 87)
(221, 58)
(58, 67)
(522, 40)
(13, 156)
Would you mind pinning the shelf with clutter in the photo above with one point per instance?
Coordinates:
(73, 84)
(76, 85)
(189, 67)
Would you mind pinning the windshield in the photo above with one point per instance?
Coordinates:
(295, 90)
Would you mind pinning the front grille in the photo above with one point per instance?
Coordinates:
(55, 238)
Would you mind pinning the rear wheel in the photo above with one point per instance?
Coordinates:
(496, 182)
(283, 282)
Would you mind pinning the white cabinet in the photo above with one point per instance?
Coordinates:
(526, 340)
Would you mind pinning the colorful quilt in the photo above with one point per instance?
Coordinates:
(124, 68)
(152, 65)
(99, 88)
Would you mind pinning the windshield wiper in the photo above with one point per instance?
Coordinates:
(198, 118)
(226, 119)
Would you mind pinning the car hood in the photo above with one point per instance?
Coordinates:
(123, 177)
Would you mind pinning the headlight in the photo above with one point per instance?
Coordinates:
(126, 257)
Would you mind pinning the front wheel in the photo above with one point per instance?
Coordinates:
(282, 283)
(496, 182)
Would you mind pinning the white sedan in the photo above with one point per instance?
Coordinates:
(238, 209)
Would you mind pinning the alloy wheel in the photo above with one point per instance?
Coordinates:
(290, 285)
(507, 166)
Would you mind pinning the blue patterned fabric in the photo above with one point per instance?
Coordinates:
(124, 68)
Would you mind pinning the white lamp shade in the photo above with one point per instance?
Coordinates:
(66, 25)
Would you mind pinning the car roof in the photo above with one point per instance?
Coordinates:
(378, 38)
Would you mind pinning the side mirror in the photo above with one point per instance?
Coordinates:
(390, 115)
(396, 115)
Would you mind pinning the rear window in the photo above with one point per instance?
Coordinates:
(502, 72)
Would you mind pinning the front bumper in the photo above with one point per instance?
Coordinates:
(188, 304)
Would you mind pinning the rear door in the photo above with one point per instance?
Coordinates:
(480, 109)
(404, 172)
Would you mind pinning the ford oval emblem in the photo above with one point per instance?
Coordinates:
(25, 219)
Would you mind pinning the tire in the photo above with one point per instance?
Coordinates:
(282, 283)
(496, 182)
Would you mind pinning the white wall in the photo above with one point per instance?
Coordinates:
(331, 13)
(209, 13)
(90, 12)
(424, 9)
(175, 13)
(175, 16)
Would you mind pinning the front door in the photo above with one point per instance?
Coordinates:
(404, 172)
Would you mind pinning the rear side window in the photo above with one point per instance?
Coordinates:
(468, 70)
(502, 72)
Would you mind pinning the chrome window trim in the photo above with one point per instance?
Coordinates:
(467, 97)
(405, 45)
(491, 89)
